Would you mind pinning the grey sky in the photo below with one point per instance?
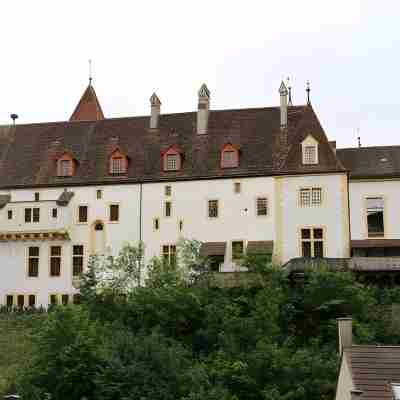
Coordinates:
(348, 49)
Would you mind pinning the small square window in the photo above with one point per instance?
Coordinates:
(54, 212)
(37, 196)
(172, 162)
(114, 212)
(237, 187)
(168, 208)
(168, 190)
(262, 206)
(9, 214)
(82, 214)
(229, 159)
(310, 155)
(99, 194)
(213, 208)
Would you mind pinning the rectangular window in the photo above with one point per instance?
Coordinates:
(55, 260)
(33, 262)
(117, 165)
(54, 212)
(21, 301)
(53, 299)
(236, 187)
(310, 197)
(64, 299)
(10, 300)
(375, 220)
(77, 260)
(168, 190)
(229, 159)
(237, 249)
(36, 214)
(312, 242)
(156, 224)
(172, 162)
(76, 298)
(213, 208)
(28, 214)
(37, 196)
(65, 168)
(169, 254)
(167, 208)
(9, 214)
(114, 212)
(180, 225)
(99, 194)
(32, 300)
(262, 206)
(310, 153)
(82, 214)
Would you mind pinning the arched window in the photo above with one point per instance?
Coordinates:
(65, 165)
(172, 159)
(118, 163)
(229, 156)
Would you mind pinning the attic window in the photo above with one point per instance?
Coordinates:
(65, 166)
(172, 159)
(118, 163)
(229, 157)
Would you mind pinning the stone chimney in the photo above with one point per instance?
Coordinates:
(203, 110)
(155, 111)
(356, 394)
(345, 332)
(284, 104)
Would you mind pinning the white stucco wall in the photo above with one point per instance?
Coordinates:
(390, 191)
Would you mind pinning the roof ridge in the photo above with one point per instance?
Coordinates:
(369, 147)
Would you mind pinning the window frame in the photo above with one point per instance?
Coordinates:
(73, 256)
(312, 240)
(172, 151)
(28, 258)
(78, 222)
(365, 212)
(262, 197)
(71, 166)
(208, 209)
(10, 214)
(156, 221)
(118, 155)
(166, 208)
(236, 162)
(237, 187)
(174, 253)
(310, 190)
(51, 257)
(233, 259)
(111, 221)
(168, 190)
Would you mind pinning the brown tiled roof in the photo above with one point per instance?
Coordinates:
(373, 368)
(88, 108)
(260, 247)
(371, 162)
(28, 153)
(213, 249)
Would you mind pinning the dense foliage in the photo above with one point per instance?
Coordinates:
(179, 338)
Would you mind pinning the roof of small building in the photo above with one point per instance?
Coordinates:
(28, 152)
(373, 369)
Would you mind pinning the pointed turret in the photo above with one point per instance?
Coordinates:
(88, 108)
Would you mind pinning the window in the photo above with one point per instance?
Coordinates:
(37, 196)
(64, 299)
(180, 225)
(10, 300)
(54, 212)
(310, 154)
(375, 220)
(65, 168)
(312, 242)
(262, 206)
(114, 212)
(213, 208)
(53, 299)
(236, 186)
(77, 260)
(169, 254)
(9, 214)
(32, 300)
(99, 194)
(237, 249)
(118, 163)
(55, 260)
(168, 190)
(229, 157)
(172, 162)
(156, 224)
(82, 214)
(32, 215)
(167, 208)
(76, 298)
(33, 262)
(310, 197)
(20, 301)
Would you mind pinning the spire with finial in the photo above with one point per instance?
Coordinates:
(308, 90)
(290, 103)
(90, 73)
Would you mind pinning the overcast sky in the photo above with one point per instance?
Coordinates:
(348, 49)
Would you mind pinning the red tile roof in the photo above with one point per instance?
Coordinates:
(88, 108)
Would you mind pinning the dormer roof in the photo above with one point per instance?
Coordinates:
(88, 108)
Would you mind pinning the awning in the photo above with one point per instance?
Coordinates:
(33, 236)
(260, 247)
(367, 243)
(213, 249)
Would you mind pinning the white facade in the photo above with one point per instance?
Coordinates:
(140, 205)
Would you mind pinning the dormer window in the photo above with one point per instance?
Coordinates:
(65, 166)
(229, 157)
(172, 159)
(118, 163)
(309, 151)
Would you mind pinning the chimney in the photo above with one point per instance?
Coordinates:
(356, 394)
(284, 104)
(203, 109)
(345, 331)
(155, 111)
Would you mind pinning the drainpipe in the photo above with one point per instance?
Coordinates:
(140, 229)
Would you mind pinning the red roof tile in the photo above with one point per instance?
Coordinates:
(88, 108)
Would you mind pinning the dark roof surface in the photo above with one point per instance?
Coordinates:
(373, 368)
(371, 162)
(28, 153)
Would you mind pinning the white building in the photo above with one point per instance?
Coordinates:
(262, 180)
